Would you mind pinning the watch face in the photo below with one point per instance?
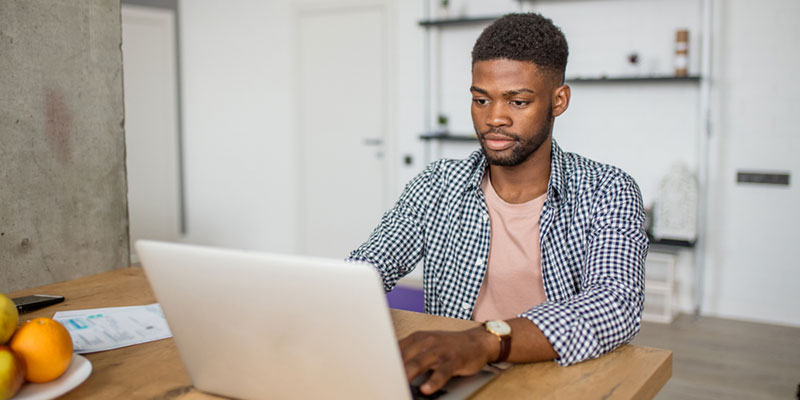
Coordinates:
(499, 327)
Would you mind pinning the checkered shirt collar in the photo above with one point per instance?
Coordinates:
(556, 187)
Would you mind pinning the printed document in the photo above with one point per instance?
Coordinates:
(100, 329)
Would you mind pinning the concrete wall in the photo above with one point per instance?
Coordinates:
(63, 207)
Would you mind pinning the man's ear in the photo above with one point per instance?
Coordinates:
(561, 99)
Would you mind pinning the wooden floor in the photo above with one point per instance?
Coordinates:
(717, 358)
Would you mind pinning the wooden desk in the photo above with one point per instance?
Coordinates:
(154, 370)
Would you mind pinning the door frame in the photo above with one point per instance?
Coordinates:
(389, 131)
(143, 14)
(172, 6)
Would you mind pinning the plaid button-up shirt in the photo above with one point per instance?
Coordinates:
(591, 236)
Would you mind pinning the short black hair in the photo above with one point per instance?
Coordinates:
(524, 37)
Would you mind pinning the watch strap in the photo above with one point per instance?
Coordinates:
(505, 348)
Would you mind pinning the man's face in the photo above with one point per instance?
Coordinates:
(512, 109)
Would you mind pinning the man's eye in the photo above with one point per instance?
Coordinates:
(520, 103)
(480, 101)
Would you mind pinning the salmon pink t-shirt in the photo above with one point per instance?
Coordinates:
(513, 281)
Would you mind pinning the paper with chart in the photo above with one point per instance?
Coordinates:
(100, 329)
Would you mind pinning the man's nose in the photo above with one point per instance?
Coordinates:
(498, 115)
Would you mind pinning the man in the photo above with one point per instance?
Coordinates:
(547, 246)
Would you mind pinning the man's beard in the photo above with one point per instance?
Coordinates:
(522, 150)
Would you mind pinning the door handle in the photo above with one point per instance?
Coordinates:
(373, 141)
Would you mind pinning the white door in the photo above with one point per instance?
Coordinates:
(151, 123)
(342, 107)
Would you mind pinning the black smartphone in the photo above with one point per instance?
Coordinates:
(36, 301)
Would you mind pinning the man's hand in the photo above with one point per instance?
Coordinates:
(450, 354)
(447, 354)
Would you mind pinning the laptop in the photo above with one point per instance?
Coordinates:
(266, 326)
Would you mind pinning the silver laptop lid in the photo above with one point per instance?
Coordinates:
(266, 326)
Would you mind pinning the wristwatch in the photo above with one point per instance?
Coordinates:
(503, 332)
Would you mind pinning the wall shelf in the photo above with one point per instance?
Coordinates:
(670, 242)
(432, 23)
(461, 137)
(637, 79)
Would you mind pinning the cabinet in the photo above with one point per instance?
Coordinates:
(660, 290)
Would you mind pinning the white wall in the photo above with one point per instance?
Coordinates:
(239, 112)
(642, 128)
(754, 256)
(645, 128)
(238, 123)
(237, 75)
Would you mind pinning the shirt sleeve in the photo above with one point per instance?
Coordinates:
(396, 245)
(607, 310)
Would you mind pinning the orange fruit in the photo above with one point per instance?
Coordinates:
(45, 347)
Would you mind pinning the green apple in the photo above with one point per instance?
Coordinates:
(12, 373)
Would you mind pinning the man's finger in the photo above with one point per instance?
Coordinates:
(422, 362)
(438, 378)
